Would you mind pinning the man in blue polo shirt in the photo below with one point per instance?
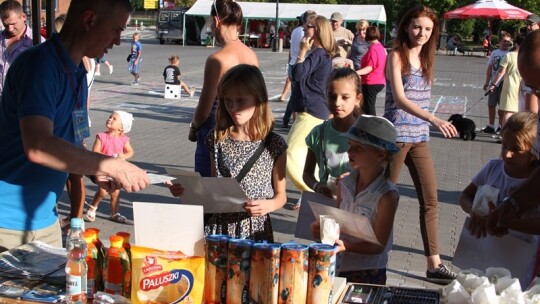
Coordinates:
(43, 119)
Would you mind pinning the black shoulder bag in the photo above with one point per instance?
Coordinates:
(252, 160)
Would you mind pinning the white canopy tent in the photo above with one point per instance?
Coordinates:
(289, 11)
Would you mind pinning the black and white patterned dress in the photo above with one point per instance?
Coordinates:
(230, 157)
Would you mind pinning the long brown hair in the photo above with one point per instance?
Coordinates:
(250, 78)
(402, 43)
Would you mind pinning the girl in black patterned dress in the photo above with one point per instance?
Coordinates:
(244, 121)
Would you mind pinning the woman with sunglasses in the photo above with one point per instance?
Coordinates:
(226, 24)
(308, 96)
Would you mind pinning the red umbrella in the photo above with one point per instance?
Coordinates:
(491, 9)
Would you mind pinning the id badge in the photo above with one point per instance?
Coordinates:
(80, 124)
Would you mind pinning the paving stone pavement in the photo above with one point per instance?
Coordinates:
(160, 128)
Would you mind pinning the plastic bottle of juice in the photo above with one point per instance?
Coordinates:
(93, 277)
(127, 247)
(117, 270)
(126, 244)
(76, 269)
(101, 255)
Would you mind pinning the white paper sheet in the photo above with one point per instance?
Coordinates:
(216, 195)
(158, 178)
(180, 172)
(173, 227)
(350, 224)
(507, 251)
(305, 214)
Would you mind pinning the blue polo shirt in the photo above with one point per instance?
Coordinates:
(42, 81)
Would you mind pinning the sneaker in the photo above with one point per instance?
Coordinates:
(110, 69)
(135, 83)
(488, 129)
(498, 131)
(441, 275)
(97, 73)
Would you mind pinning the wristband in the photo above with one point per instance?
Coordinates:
(512, 203)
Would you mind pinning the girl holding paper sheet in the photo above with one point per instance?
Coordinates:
(244, 123)
(517, 162)
(368, 191)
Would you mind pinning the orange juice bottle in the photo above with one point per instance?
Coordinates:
(93, 275)
(101, 255)
(127, 247)
(117, 268)
(126, 244)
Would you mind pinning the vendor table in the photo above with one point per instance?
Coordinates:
(375, 294)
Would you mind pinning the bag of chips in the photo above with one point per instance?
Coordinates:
(165, 276)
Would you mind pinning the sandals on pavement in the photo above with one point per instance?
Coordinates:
(119, 218)
(90, 214)
(65, 225)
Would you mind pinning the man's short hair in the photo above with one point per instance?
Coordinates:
(9, 6)
(307, 14)
(532, 19)
(101, 7)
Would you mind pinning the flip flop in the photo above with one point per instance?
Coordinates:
(119, 218)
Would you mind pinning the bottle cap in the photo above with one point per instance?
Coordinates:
(125, 235)
(116, 241)
(76, 222)
(94, 229)
(89, 236)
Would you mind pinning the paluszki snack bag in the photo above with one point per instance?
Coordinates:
(165, 276)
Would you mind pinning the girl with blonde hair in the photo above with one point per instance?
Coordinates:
(359, 46)
(308, 96)
(244, 132)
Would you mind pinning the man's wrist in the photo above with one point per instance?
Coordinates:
(193, 127)
(510, 200)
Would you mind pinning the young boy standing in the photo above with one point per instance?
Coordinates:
(135, 61)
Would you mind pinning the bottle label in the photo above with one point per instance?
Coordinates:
(73, 285)
(90, 289)
(113, 288)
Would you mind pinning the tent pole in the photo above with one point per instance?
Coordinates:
(246, 30)
(184, 30)
(384, 33)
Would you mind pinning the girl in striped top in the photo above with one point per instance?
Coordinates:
(409, 74)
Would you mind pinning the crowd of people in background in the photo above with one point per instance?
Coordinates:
(337, 146)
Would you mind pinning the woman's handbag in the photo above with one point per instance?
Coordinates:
(129, 58)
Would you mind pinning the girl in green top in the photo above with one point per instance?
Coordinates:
(326, 149)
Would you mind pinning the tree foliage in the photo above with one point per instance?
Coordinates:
(468, 29)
